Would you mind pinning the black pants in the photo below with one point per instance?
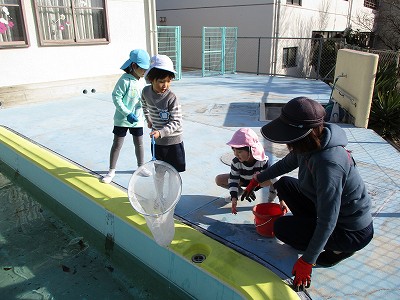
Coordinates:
(172, 154)
(297, 230)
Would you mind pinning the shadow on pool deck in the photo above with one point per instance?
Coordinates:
(214, 108)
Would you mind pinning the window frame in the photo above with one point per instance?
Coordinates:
(74, 41)
(286, 57)
(373, 4)
(294, 2)
(18, 44)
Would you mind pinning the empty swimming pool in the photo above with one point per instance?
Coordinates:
(49, 253)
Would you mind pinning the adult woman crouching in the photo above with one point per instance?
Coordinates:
(331, 209)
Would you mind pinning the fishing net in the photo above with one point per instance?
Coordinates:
(154, 190)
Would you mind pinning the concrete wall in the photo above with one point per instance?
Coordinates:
(22, 68)
(252, 19)
(354, 90)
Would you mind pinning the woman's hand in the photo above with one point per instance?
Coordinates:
(284, 207)
(265, 183)
(234, 205)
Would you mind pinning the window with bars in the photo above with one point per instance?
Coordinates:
(371, 3)
(294, 2)
(71, 22)
(13, 31)
(289, 57)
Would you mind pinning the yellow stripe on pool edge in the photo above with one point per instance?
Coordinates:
(243, 274)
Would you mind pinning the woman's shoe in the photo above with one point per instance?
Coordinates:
(329, 258)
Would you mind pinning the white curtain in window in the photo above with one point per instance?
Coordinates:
(7, 36)
(84, 19)
(56, 19)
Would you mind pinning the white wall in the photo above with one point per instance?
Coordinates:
(323, 15)
(301, 21)
(37, 64)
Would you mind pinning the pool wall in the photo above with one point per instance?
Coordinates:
(224, 274)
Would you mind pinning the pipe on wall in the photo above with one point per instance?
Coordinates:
(151, 24)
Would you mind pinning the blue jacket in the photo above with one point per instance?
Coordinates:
(127, 96)
(330, 179)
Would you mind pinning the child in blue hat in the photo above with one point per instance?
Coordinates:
(128, 114)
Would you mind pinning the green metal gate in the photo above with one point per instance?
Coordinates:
(169, 43)
(219, 50)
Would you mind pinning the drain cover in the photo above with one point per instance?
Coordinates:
(198, 258)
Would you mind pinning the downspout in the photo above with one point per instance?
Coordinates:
(276, 35)
(349, 13)
(151, 24)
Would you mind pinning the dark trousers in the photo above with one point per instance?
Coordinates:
(297, 230)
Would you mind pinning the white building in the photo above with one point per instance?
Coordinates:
(274, 35)
(53, 49)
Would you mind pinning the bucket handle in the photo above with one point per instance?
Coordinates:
(262, 223)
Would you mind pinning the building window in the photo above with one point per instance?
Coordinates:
(289, 57)
(71, 22)
(13, 31)
(371, 3)
(328, 34)
(294, 2)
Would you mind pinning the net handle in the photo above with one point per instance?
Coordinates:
(153, 145)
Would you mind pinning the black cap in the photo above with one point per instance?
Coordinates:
(298, 117)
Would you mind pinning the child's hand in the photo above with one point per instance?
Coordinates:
(234, 205)
(131, 118)
(155, 133)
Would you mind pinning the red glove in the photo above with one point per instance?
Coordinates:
(248, 193)
(302, 274)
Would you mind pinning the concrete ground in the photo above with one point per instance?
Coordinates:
(214, 108)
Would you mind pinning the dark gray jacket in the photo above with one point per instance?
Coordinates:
(331, 180)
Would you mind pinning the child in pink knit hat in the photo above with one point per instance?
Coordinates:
(249, 159)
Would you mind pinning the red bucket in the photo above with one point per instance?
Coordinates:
(265, 215)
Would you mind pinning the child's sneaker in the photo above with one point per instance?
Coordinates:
(109, 177)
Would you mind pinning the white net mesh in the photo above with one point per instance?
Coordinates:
(154, 190)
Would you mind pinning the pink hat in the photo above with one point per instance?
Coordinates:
(246, 137)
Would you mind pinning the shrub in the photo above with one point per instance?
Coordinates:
(385, 114)
(385, 107)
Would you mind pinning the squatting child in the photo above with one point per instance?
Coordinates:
(249, 159)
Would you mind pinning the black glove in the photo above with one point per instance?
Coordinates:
(250, 197)
(248, 193)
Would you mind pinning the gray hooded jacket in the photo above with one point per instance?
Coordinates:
(330, 179)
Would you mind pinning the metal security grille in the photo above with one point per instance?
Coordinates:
(219, 50)
(169, 43)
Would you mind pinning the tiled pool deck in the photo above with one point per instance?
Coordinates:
(214, 108)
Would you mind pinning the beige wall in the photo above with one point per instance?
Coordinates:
(356, 84)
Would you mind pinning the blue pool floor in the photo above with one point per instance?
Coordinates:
(80, 128)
